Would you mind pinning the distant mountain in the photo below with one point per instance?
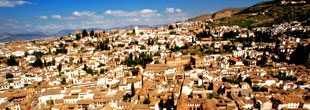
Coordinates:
(67, 31)
(8, 37)
(265, 14)
(130, 26)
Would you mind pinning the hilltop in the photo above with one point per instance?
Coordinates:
(220, 14)
(264, 14)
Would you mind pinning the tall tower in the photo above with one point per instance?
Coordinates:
(136, 30)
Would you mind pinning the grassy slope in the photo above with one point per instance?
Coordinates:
(274, 14)
(213, 15)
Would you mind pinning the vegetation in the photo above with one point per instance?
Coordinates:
(9, 75)
(259, 89)
(84, 33)
(11, 61)
(213, 95)
(146, 101)
(142, 60)
(61, 50)
(230, 35)
(169, 105)
(203, 34)
(233, 80)
(37, 63)
(77, 36)
(267, 14)
(38, 54)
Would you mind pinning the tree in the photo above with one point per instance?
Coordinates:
(239, 94)
(63, 81)
(61, 50)
(248, 80)
(126, 97)
(85, 67)
(161, 104)
(77, 36)
(37, 63)
(81, 60)
(59, 67)
(11, 61)
(300, 55)
(85, 33)
(210, 86)
(188, 67)
(172, 99)
(9, 75)
(90, 71)
(220, 90)
(203, 34)
(213, 95)
(230, 35)
(142, 47)
(132, 90)
(146, 101)
(263, 61)
(170, 27)
(92, 33)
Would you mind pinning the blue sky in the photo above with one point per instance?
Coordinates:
(19, 16)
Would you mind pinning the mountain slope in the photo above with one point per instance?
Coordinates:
(220, 14)
(266, 14)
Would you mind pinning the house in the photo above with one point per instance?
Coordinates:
(263, 102)
(235, 61)
(286, 101)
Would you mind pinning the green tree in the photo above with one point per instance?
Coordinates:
(9, 75)
(126, 97)
(11, 61)
(77, 36)
(63, 81)
(37, 63)
(59, 67)
(146, 101)
(213, 95)
(230, 35)
(84, 33)
(203, 34)
(210, 86)
(81, 60)
(142, 47)
(248, 80)
(92, 33)
(132, 90)
(161, 104)
(170, 27)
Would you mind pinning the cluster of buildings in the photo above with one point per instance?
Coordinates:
(93, 73)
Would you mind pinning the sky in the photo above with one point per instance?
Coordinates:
(50, 16)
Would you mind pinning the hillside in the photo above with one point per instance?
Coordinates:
(220, 14)
(266, 14)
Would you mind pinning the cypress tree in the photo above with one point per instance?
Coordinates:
(132, 90)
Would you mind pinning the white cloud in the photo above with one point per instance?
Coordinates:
(178, 10)
(147, 19)
(9, 3)
(80, 15)
(142, 13)
(50, 27)
(172, 10)
(134, 20)
(83, 13)
(169, 10)
(56, 16)
(42, 17)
